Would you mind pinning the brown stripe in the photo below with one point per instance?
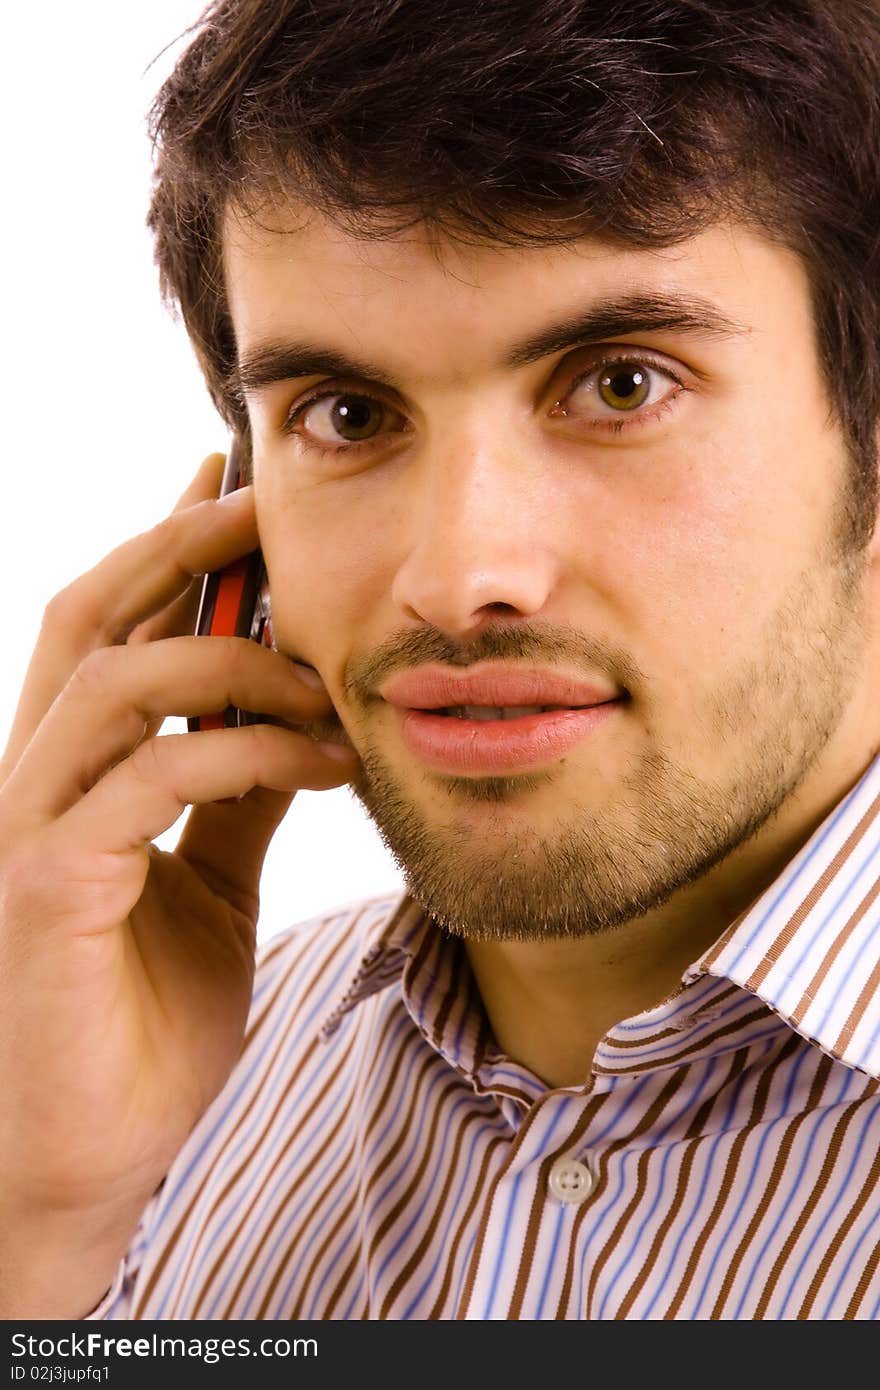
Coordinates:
(393, 1215)
(314, 1161)
(522, 1097)
(295, 1313)
(423, 1249)
(341, 1285)
(481, 1046)
(834, 1245)
(306, 943)
(808, 1208)
(449, 997)
(439, 1306)
(513, 1150)
(702, 1046)
(428, 1063)
(405, 906)
(867, 995)
(819, 1082)
(810, 993)
(408, 1041)
(301, 1177)
(776, 948)
(762, 1090)
(601, 1183)
(170, 1244)
(610, 1245)
(430, 942)
(865, 1280)
(696, 1137)
(539, 1201)
(624, 1044)
(437, 1310)
(717, 950)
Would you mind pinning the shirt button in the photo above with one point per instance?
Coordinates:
(570, 1180)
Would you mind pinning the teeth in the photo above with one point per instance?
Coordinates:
(483, 713)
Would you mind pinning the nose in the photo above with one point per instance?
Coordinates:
(478, 537)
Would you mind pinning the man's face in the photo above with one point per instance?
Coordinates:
(653, 511)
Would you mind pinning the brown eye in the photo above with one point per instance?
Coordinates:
(350, 418)
(618, 387)
(623, 387)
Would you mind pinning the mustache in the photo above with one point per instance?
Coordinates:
(543, 644)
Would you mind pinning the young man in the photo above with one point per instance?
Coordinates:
(550, 336)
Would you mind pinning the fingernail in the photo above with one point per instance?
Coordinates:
(339, 752)
(308, 676)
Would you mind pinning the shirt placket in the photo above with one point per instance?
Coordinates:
(546, 1177)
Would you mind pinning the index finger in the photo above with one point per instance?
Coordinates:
(130, 585)
(179, 617)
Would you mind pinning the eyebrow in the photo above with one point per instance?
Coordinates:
(272, 361)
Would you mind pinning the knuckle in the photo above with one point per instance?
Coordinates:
(96, 669)
(64, 609)
(166, 532)
(235, 659)
(147, 761)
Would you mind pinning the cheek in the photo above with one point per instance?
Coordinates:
(699, 560)
(325, 568)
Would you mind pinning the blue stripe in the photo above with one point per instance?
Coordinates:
(831, 1207)
(724, 1136)
(499, 1257)
(283, 1126)
(544, 1145)
(465, 1266)
(308, 1140)
(688, 1003)
(817, 1120)
(691, 1103)
(357, 1228)
(273, 1082)
(767, 1127)
(870, 1228)
(551, 1261)
(437, 1165)
(243, 1072)
(466, 1177)
(790, 880)
(810, 947)
(739, 1004)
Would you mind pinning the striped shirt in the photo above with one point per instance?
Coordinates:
(374, 1155)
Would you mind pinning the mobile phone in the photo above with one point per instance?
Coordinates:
(235, 603)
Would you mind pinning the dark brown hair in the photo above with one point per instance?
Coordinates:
(529, 122)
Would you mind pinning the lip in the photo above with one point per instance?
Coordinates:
(437, 687)
(448, 744)
(451, 745)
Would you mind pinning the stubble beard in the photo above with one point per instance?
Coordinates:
(664, 826)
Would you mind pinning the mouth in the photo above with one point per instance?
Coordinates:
(486, 713)
(499, 739)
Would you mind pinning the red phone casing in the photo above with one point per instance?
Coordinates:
(234, 603)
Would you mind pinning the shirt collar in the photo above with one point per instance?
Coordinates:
(430, 966)
(808, 947)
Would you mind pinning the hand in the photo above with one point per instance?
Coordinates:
(125, 971)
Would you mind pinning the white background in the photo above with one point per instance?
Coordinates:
(106, 415)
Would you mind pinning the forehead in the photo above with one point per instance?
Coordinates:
(444, 306)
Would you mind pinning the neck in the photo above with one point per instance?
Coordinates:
(550, 1003)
